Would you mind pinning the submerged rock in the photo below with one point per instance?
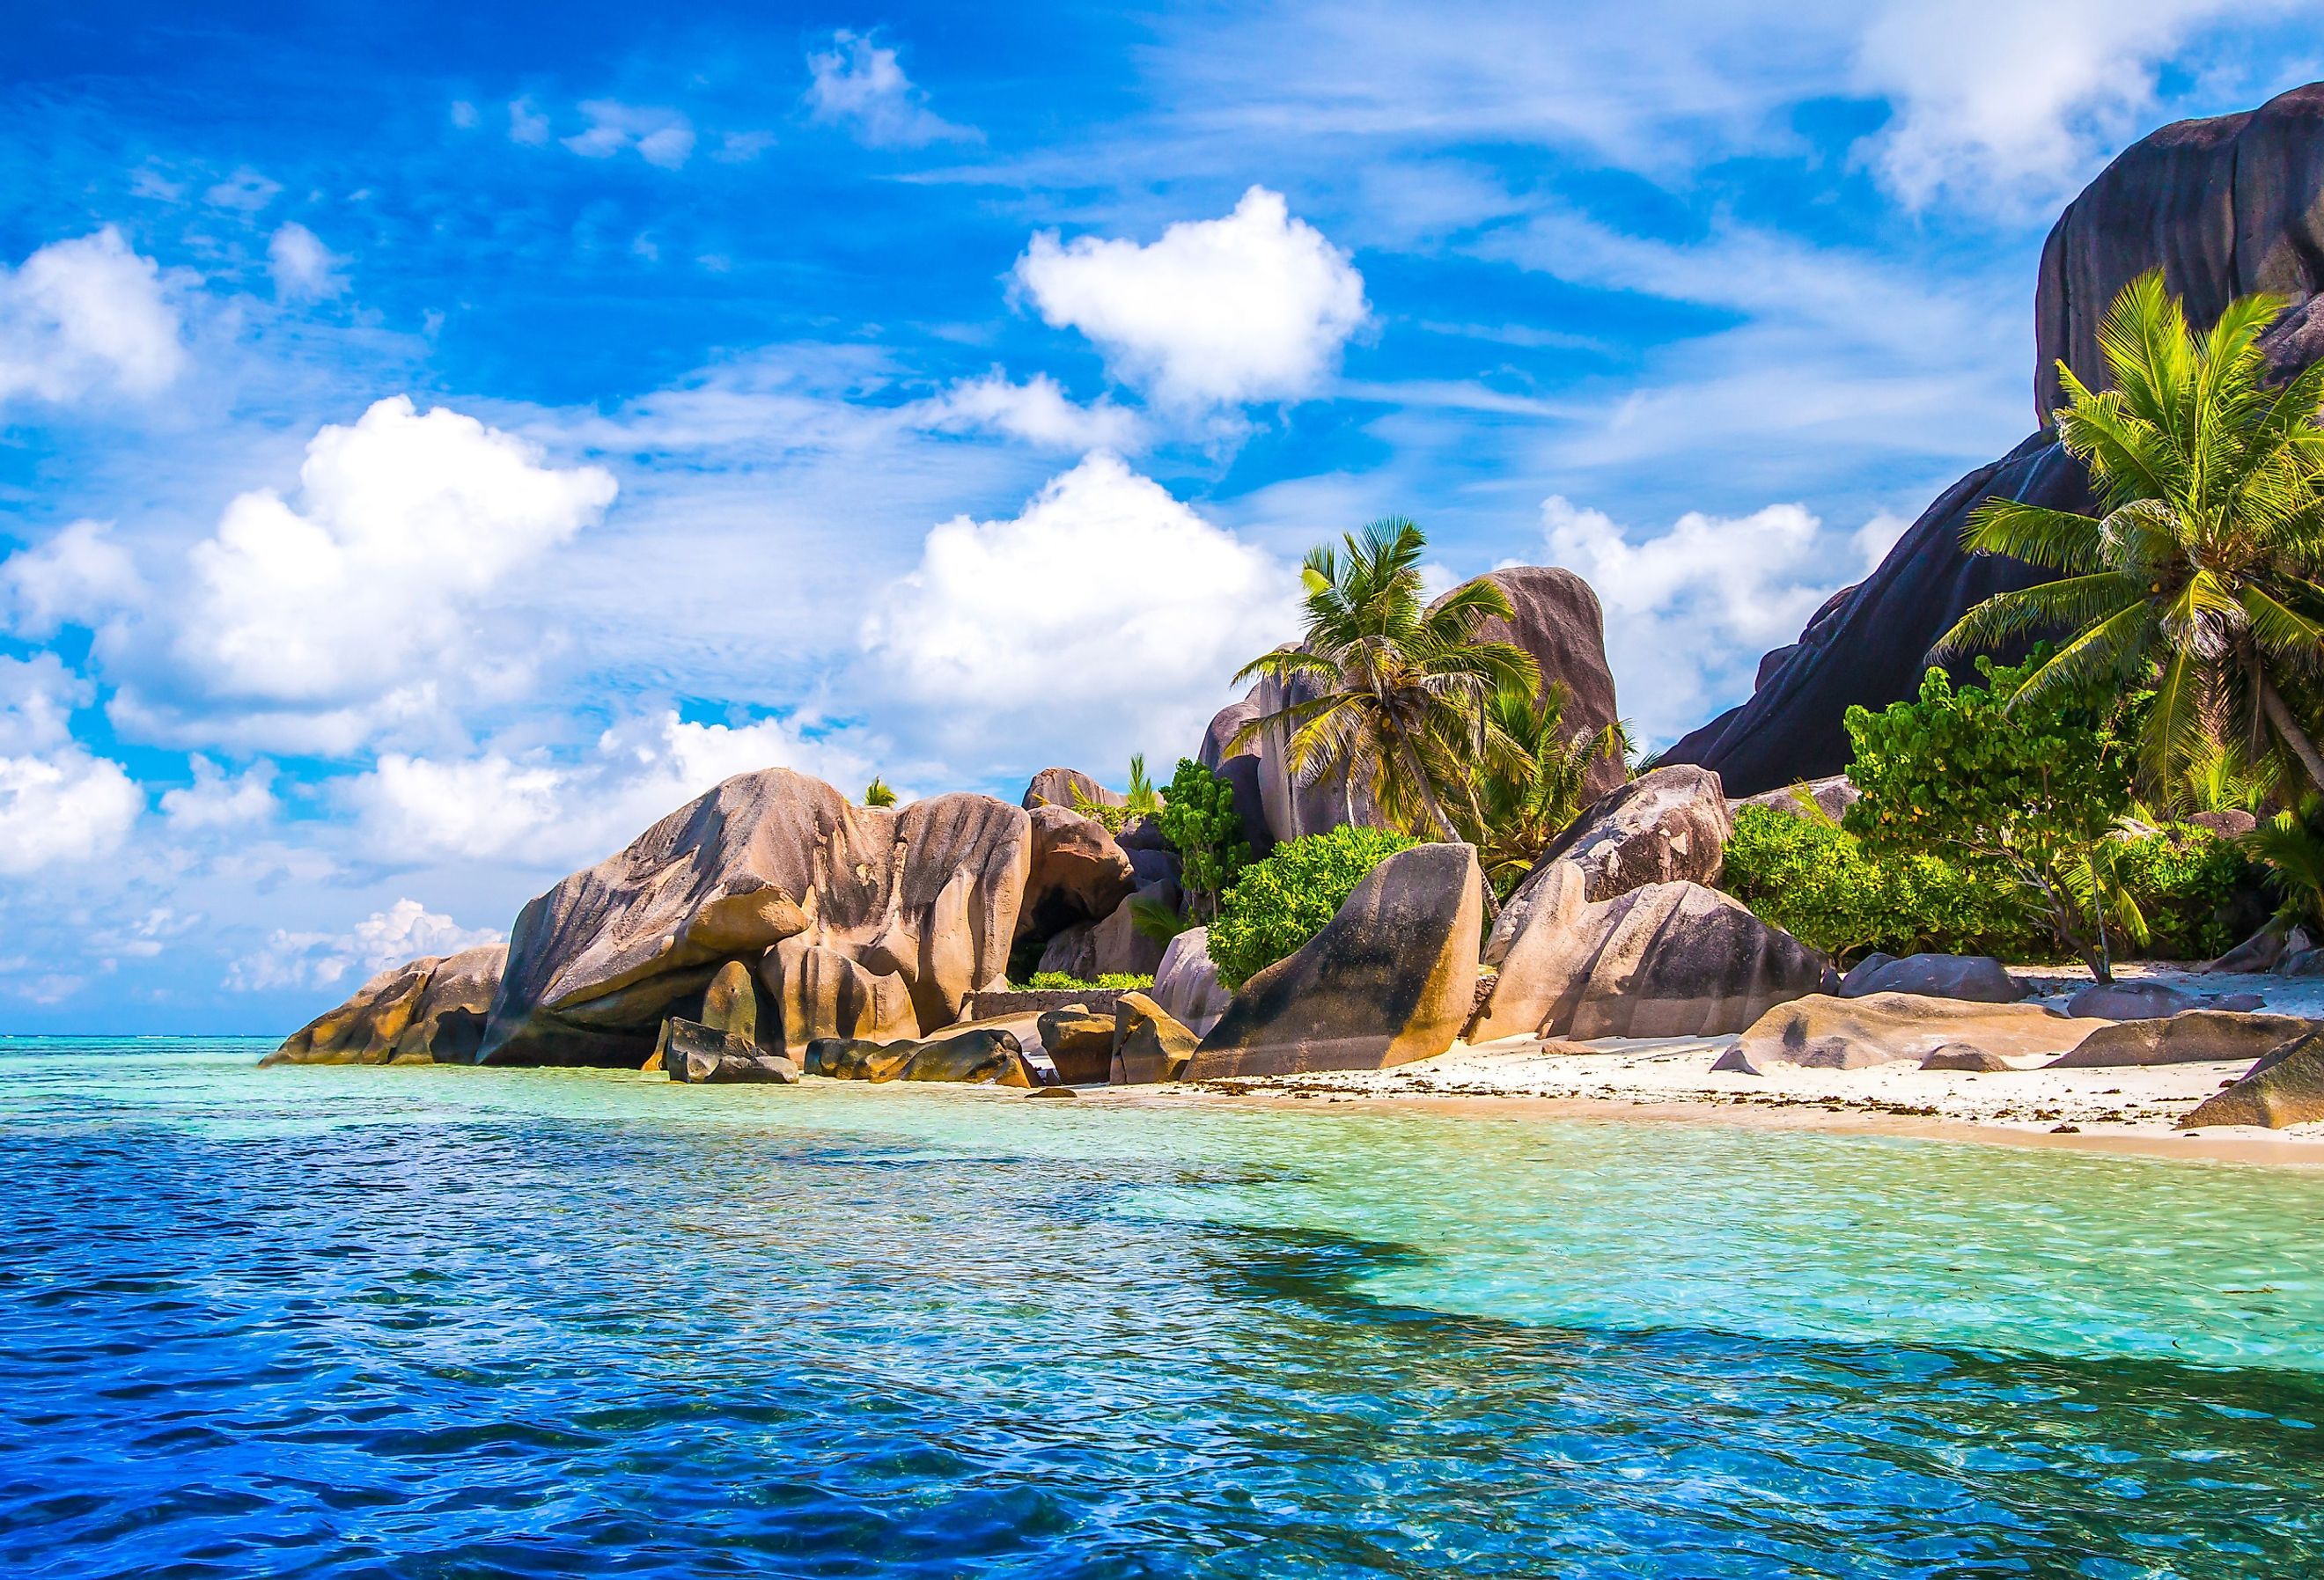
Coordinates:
(1389, 980)
(430, 1009)
(702, 1055)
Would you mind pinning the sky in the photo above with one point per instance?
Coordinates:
(437, 440)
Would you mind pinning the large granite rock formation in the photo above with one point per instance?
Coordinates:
(423, 1010)
(1078, 873)
(823, 992)
(1391, 978)
(1664, 960)
(1186, 983)
(1980, 977)
(1667, 826)
(1055, 787)
(2224, 207)
(1557, 620)
(2284, 1088)
(928, 892)
(1150, 1043)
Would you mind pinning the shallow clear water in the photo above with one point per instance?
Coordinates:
(444, 1322)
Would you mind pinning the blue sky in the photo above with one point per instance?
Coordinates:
(435, 442)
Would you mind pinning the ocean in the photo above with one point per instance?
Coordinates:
(444, 1322)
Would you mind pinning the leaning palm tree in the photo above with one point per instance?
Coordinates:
(2199, 575)
(1384, 689)
(1534, 779)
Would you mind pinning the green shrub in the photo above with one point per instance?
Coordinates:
(1816, 881)
(1111, 981)
(1199, 819)
(1278, 904)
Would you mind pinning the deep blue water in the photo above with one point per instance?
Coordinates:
(453, 1323)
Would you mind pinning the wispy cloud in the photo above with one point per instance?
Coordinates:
(856, 82)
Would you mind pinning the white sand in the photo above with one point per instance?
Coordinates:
(2132, 1109)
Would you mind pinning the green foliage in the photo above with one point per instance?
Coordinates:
(1142, 799)
(1814, 879)
(877, 794)
(1114, 818)
(1278, 904)
(1155, 920)
(2022, 789)
(1110, 981)
(2289, 846)
(1198, 818)
(2198, 579)
(1529, 783)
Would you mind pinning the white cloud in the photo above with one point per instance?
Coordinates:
(412, 810)
(74, 578)
(83, 316)
(246, 190)
(2004, 104)
(218, 799)
(662, 136)
(304, 268)
(464, 114)
(59, 802)
(1038, 411)
(1690, 611)
(405, 930)
(527, 124)
(1252, 307)
(1105, 619)
(358, 602)
(858, 84)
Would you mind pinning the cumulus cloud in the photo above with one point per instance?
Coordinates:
(1252, 307)
(1103, 619)
(59, 802)
(218, 799)
(858, 84)
(1998, 102)
(1038, 411)
(356, 603)
(74, 578)
(662, 137)
(304, 268)
(535, 811)
(1689, 612)
(403, 931)
(85, 316)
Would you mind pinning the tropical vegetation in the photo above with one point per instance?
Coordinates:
(1277, 904)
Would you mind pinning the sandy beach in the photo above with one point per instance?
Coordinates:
(2121, 1109)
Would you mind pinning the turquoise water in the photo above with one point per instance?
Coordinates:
(463, 1323)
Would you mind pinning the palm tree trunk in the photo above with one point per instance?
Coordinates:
(1443, 824)
(2280, 716)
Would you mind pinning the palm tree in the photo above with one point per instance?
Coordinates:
(1534, 779)
(2199, 577)
(1382, 687)
(877, 794)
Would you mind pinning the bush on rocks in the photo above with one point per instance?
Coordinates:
(1277, 904)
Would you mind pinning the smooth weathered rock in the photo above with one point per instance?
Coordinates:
(855, 1058)
(821, 991)
(2192, 1037)
(1863, 971)
(1390, 979)
(700, 1055)
(1978, 977)
(1667, 826)
(2289, 1090)
(1077, 874)
(1824, 1032)
(1186, 983)
(1149, 866)
(1080, 1044)
(2262, 951)
(2130, 1001)
(1829, 796)
(731, 1003)
(1056, 787)
(1557, 619)
(1963, 1056)
(1149, 1044)
(984, 1057)
(2301, 963)
(1666, 960)
(1117, 945)
(430, 1009)
(1073, 952)
(928, 892)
